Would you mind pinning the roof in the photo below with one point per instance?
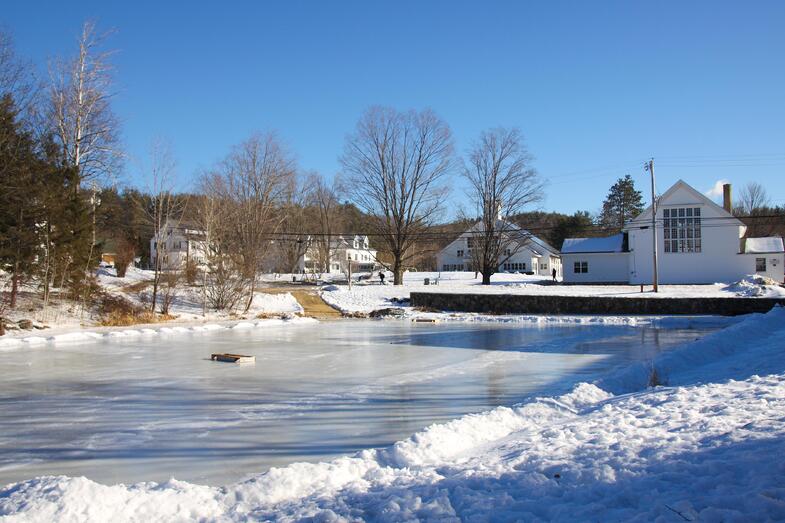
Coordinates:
(613, 243)
(763, 245)
(645, 216)
(522, 236)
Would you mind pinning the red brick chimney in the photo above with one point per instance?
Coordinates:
(727, 201)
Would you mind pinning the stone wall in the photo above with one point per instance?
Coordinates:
(523, 304)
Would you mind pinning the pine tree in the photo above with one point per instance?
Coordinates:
(622, 204)
(20, 176)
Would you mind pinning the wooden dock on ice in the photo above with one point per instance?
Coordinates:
(233, 358)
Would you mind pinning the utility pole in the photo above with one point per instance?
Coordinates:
(649, 166)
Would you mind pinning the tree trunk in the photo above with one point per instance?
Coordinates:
(486, 277)
(250, 295)
(397, 271)
(14, 286)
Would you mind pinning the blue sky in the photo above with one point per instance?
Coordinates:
(596, 87)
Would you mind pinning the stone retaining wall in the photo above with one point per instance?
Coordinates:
(527, 304)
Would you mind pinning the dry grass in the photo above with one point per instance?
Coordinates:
(117, 311)
(136, 287)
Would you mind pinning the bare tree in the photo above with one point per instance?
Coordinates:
(257, 179)
(394, 163)
(222, 282)
(16, 77)
(80, 112)
(499, 172)
(163, 214)
(298, 219)
(324, 199)
(752, 198)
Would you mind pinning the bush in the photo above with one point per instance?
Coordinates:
(116, 311)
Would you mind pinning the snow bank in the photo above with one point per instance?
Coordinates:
(701, 450)
(83, 336)
(366, 298)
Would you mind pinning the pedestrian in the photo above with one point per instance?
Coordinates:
(381, 277)
(553, 273)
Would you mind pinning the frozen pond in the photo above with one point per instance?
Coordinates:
(157, 407)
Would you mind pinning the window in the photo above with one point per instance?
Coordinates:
(760, 264)
(682, 229)
(507, 252)
(543, 266)
(507, 267)
(580, 267)
(469, 242)
(447, 267)
(460, 253)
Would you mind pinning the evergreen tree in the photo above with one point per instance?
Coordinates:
(20, 176)
(577, 225)
(622, 204)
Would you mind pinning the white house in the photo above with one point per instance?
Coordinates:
(344, 250)
(178, 246)
(523, 252)
(698, 241)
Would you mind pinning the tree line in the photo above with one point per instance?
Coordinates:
(255, 210)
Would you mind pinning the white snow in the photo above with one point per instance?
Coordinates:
(95, 334)
(604, 244)
(763, 245)
(369, 297)
(706, 447)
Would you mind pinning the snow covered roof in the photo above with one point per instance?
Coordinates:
(761, 245)
(613, 243)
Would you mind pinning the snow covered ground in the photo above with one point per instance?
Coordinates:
(68, 318)
(366, 297)
(189, 301)
(703, 447)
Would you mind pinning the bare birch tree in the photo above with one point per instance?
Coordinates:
(257, 178)
(394, 163)
(79, 108)
(501, 178)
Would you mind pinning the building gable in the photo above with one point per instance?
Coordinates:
(682, 193)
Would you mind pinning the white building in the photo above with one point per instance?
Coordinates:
(178, 246)
(698, 241)
(523, 252)
(344, 250)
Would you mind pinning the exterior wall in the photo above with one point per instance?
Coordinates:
(774, 265)
(457, 257)
(355, 250)
(178, 248)
(718, 261)
(602, 267)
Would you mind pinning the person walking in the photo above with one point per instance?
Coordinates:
(553, 273)
(381, 277)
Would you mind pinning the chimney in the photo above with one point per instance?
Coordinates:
(727, 201)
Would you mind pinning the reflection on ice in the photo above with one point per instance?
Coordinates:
(153, 408)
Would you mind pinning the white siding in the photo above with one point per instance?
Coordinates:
(602, 267)
(718, 261)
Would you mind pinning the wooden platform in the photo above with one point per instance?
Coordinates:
(425, 320)
(233, 358)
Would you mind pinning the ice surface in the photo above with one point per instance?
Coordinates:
(705, 448)
(133, 408)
